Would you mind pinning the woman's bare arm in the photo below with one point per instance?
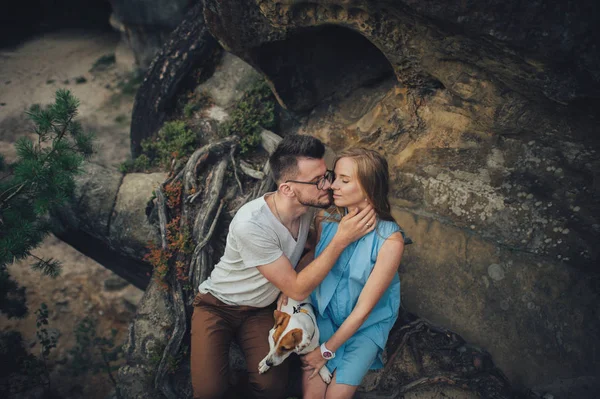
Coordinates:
(386, 266)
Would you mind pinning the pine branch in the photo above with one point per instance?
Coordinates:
(22, 185)
(40, 180)
(50, 267)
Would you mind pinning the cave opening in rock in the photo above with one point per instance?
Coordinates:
(321, 63)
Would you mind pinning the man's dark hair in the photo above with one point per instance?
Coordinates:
(284, 160)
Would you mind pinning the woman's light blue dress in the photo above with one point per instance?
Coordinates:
(335, 298)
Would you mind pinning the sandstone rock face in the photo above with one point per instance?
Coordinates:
(229, 81)
(491, 146)
(130, 230)
(148, 335)
(111, 207)
(106, 220)
(95, 193)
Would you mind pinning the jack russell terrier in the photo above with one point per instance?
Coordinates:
(295, 330)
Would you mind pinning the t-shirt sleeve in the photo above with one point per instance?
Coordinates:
(257, 245)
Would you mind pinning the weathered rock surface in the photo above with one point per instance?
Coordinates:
(130, 230)
(492, 147)
(95, 194)
(189, 51)
(145, 344)
(491, 144)
(504, 247)
(422, 43)
(111, 207)
(107, 220)
(229, 81)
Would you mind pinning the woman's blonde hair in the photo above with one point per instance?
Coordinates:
(373, 177)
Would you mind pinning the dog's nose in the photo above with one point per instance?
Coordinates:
(269, 363)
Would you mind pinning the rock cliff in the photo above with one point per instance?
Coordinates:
(486, 121)
(485, 113)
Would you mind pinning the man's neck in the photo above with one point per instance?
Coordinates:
(288, 211)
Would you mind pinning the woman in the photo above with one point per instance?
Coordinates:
(357, 303)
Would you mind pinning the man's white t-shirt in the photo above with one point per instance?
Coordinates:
(256, 237)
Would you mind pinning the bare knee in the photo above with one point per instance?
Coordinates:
(313, 394)
(313, 388)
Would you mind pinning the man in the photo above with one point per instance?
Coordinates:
(264, 244)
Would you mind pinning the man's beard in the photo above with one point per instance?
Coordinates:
(323, 203)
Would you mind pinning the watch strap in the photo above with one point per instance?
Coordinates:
(326, 353)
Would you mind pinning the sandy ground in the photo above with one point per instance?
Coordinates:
(31, 73)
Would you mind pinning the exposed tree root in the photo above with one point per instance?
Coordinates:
(206, 192)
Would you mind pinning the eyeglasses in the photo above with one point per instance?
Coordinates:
(328, 176)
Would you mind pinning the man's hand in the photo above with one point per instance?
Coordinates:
(282, 300)
(355, 225)
(313, 361)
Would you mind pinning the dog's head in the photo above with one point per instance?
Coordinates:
(285, 337)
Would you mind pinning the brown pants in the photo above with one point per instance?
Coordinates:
(214, 325)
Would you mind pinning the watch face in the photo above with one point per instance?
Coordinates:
(327, 355)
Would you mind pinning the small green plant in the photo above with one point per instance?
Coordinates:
(45, 338)
(190, 108)
(156, 354)
(140, 164)
(88, 345)
(121, 119)
(174, 140)
(253, 112)
(80, 80)
(19, 369)
(127, 166)
(196, 102)
(103, 62)
(173, 362)
(131, 83)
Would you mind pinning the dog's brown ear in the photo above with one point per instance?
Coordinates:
(281, 321)
(279, 317)
(297, 334)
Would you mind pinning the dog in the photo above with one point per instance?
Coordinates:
(295, 331)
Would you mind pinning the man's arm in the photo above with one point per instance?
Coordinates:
(299, 285)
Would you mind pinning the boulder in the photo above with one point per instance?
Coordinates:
(148, 335)
(130, 230)
(491, 145)
(91, 207)
(229, 82)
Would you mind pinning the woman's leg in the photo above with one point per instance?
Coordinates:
(314, 388)
(358, 356)
(339, 391)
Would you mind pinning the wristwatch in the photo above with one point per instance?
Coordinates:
(326, 353)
